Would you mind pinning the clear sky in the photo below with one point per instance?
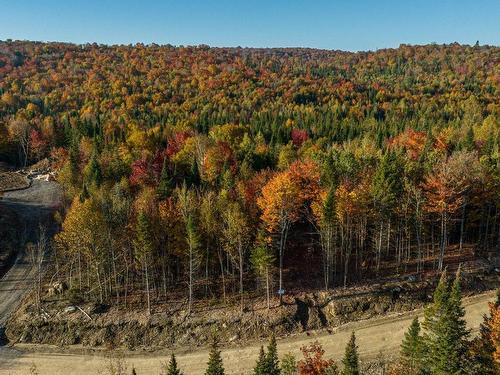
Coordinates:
(336, 24)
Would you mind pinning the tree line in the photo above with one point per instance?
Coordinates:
(221, 173)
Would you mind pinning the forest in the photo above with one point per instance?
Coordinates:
(225, 173)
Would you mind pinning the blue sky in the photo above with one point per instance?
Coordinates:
(336, 24)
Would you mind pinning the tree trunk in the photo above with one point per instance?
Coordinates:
(462, 222)
(240, 251)
(219, 253)
(283, 235)
(267, 289)
(379, 247)
(147, 287)
(443, 241)
(190, 298)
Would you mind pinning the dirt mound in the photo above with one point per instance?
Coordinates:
(13, 181)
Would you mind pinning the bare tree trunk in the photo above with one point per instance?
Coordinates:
(419, 246)
(388, 237)
(206, 269)
(191, 270)
(267, 289)
(443, 241)
(283, 236)
(219, 253)
(164, 276)
(379, 247)
(99, 282)
(126, 281)
(80, 269)
(240, 254)
(147, 287)
(462, 222)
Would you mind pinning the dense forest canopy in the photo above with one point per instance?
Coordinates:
(224, 169)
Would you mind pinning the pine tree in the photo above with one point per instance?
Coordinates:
(84, 195)
(259, 365)
(214, 365)
(165, 185)
(468, 142)
(351, 360)
(457, 329)
(271, 363)
(93, 171)
(411, 348)
(172, 368)
(445, 339)
(74, 156)
(288, 365)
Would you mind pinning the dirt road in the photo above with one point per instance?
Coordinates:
(375, 337)
(33, 206)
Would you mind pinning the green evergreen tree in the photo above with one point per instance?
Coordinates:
(411, 348)
(445, 338)
(288, 365)
(351, 360)
(469, 143)
(171, 368)
(259, 365)
(457, 329)
(84, 195)
(271, 363)
(165, 185)
(193, 178)
(93, 171)
(214, 365)
(74, 156)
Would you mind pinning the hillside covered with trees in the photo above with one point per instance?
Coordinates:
(211, 172)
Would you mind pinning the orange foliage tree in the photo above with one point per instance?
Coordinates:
(280, 204)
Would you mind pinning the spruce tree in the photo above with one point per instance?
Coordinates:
(165, 185)
(288, 365)
(411, 347)
(93, 171)
(84, 194)
(271, 364)
(445, 338)
(351, 360)
(457, 328)
(172, 368)
(259, 365)
(214, 365)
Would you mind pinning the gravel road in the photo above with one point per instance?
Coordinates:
(375, 337)
(34, 207)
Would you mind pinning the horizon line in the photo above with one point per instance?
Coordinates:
(205, 45)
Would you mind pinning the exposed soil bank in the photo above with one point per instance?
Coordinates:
(99, 326)
(376, 338)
